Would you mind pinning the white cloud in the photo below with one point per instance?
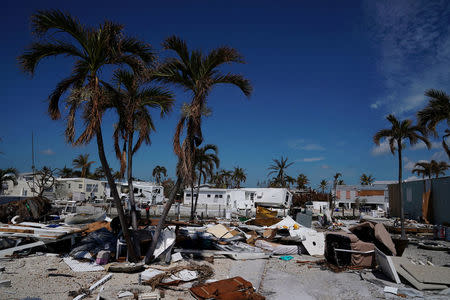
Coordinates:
(383, 148)
(48, 151)
(421, 145)
(409, 165)
(312, 159)
(413, 38)
(301, 144)
(440, 156)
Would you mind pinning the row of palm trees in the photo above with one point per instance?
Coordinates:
(400, 131)
(429, 169)
(130, 94)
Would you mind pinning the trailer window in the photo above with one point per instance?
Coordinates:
(188, 195)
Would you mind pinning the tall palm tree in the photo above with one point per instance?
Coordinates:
(279, 168)
(92, 48)
(400, 131)
(196, 73)
(206, 160)
(323, 185)
(157, 171)
(65, 172)
(437, 111)
(9, 174)
(302, 181)
(366, 179)
(82, 162)
(238, 177)
(132, 101)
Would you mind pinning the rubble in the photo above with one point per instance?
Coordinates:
(225, 249)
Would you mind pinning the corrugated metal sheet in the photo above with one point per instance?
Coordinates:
(412, 199)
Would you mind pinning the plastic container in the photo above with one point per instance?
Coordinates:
(439, 232)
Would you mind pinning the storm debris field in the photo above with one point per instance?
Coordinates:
(265, 257)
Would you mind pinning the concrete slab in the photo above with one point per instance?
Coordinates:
(399, 261)
(250, 270)
(429, 274)
(279, 285)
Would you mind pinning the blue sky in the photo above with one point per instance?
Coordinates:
(325, 75)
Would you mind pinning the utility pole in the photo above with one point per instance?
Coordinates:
(33, 168)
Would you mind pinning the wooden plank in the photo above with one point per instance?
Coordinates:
(6, 229)
(10, 251)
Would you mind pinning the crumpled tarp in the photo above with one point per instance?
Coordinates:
(94, 242)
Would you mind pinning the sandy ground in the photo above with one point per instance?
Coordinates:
(276, 279)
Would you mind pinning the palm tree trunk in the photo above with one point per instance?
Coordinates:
(198, 191)
(126, 233)
(400, 192)
(151, 250)
(130, 181)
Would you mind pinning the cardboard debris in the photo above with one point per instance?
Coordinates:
(220, 231)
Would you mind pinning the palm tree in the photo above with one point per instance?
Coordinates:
(400, 131)
(227, 177)
(217, 179)
(366, 179)
(132, 101)
(117, 175)
(336, 179)
(82, 162)
(289, 180)
(9, 174)
(279, 168)
(438, 168)
(205, 162)
(98, 173)
(93, 48)
(65, 172)
(157, 171)
(323, 185)
(196, 73)
(302, 181)
(423, 169)
(437, 110)
(238, 177)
